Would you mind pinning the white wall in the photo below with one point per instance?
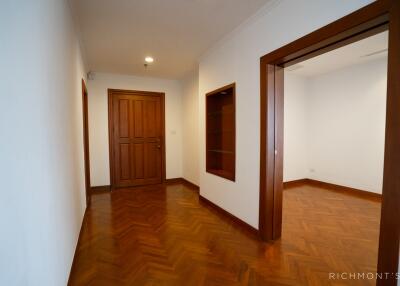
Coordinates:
(341, 140)
(41, 155)
(295, 159)
(98, 121)
(236, 59)
(190, 121)
(346, 121)
(398, 272)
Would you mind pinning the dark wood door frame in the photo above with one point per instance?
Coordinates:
(111, 93)
(379, 16)
(85, 113)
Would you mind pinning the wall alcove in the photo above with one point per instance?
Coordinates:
(220, 132)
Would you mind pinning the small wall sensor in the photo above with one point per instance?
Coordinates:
(91, 75)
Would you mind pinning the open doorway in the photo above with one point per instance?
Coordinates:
(334, 135)
(368, 21)
(85, 114)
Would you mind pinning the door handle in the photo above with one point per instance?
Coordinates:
(158, 146)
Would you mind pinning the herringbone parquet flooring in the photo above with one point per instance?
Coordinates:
(163, 235)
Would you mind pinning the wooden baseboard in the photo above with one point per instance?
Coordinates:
(237, 221)
(334, 187)
(76, 247)
(173, 181)
(191, 185)
(294, 183)
(183, 181)
(100, 189)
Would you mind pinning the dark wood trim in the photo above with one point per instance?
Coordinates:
(100, 189)
(218, 90)
(110, 138)
(348, 27)
(389, 239)
(111, 93)
(358, 37)
(182, 181)
(294, 183)
(237, 221)
(278, 152)
(73, 266)
(267, 152)
(191, 185)
(345, 190)
(335, 188)
(173, 181)
(369, 20)
(85, 113)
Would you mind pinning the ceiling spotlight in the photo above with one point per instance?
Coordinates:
(149, 60)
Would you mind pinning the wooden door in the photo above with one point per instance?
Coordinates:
(137, 124)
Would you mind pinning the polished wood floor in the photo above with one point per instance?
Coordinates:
(163, 235)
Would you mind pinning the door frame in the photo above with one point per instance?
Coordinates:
(374, 18)
(86, 153)
(113, 92)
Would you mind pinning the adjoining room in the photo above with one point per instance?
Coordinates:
(334, 135)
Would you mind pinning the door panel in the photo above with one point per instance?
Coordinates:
(138, 118)
(123, 110)
(151, 157)
(139, 160)
(151, 119)
(137, 126)
(125, 166)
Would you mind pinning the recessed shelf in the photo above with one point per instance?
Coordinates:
(220, 132)
(221, 151)
(220, 113)
(222, 173)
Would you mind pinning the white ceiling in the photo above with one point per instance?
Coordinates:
(368, 49)
(118, 34)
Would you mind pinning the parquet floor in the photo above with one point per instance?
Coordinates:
(162, 235)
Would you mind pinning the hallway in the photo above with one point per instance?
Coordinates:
(163, 235)
(221, 142)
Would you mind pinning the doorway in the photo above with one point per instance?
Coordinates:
(85, 113)
(379, 16)
(136, 138)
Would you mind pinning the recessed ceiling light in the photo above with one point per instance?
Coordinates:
(149, 59)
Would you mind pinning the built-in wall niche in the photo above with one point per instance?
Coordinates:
(220, 132)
